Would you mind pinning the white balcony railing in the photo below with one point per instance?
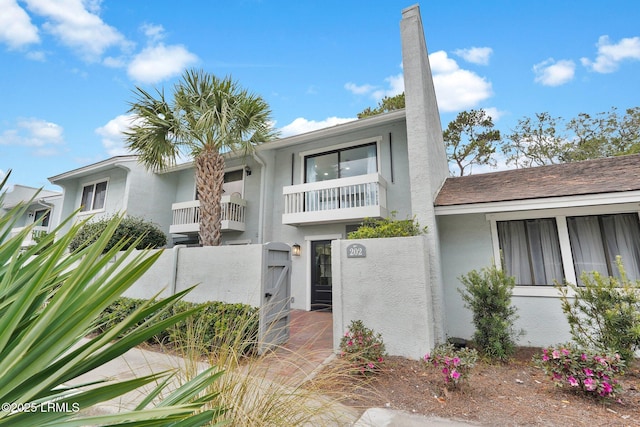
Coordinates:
(186, 215)
(31, 238)
(352, 198)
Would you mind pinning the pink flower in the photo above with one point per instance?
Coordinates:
(555, 354)
(606, 389)
(545, 357)
(380, 359)
(588, 372)
(427, 357)
(371, 365)
(573, 382)
(456, 361)
(583, 357)
(445, 370)
(350, 343)
(589, 384)
(455, 374)
(557, 376)
(565, 351)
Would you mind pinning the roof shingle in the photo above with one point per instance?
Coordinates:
(607, 175)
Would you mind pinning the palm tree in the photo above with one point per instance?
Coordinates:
(208, 116)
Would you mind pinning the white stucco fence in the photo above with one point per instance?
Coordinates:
(230, 274)
(388, 289)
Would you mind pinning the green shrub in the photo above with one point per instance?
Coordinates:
(605, 312)
(216, 323)
(148, 234)
(488, 294)
(373, 228)
(362, 348)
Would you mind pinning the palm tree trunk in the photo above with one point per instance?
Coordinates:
(209, 180)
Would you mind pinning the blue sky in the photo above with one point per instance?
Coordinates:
(69, 66)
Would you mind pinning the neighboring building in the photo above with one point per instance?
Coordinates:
(550, 223)
(307, 190)
(43, 208)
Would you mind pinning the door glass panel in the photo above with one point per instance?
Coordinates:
(233, 183)
(358, 161)
(322, 168)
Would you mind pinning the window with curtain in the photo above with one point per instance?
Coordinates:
(531, 251)
(596, 241)
(93, 196)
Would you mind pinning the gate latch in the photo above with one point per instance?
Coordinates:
(267, 295)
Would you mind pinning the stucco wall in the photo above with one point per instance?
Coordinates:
(225, 273)
(465, 241)
(389, 291)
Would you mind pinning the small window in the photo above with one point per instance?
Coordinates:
(531, 251)
(93, 196)
(596, 241)
(41, 217)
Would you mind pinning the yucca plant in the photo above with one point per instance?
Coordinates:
(49, 300)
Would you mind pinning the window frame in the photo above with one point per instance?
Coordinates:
(528, 237)
(560, 214)
(337, 148)
(233, 169)
(46, 214)
(94, 184)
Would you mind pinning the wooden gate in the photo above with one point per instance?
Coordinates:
(276, 296)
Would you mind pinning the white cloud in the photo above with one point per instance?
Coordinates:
(16, 29)
(41, 136)
(610, 55)
(359, 89)
(396, 87)
(552, 73)
(160, 62)
(441, 63)
(475, 55)
(494, 113)
(78, 26)
(153, 32)
(113, 139)
(456, 89)
(302, 125)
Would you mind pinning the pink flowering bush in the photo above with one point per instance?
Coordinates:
(455, 365)
(590, 372)
(363, 348)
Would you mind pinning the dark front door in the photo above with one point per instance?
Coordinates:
(321, 275)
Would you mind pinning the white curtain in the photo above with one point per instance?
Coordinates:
(531, 251)
(622, 237)
(597, 240)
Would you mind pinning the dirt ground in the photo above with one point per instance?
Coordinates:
(512, 394)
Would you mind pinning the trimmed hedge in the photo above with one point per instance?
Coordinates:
(129, 228)
(373, 228)
(215, 325)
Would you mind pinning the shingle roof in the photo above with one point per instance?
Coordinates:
(607, 175)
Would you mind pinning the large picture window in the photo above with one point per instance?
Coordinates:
(596, 241)
(531, 251)
(354, 161)
(93, 196)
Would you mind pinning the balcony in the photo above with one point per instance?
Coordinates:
(31, 238)
(186, 215)
(344, 199)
